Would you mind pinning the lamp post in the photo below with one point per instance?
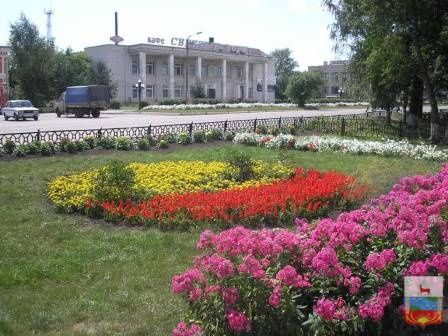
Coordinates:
(140, 86)
(340, 91)
(186, 63)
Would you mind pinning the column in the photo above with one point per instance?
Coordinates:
(224, 79)
(199, 68)
(265, 82)
(246, 72)
(142, 68)
(171, 74)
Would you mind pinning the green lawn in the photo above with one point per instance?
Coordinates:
(65, 275)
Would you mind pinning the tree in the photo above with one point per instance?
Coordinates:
(29, 66)
(422, 24)
(284, 65)
(100, 74)
(302, 86)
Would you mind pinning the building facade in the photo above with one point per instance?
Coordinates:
(224, 72)
(335, 76)
(4, 79)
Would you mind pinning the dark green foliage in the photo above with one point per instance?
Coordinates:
(184, 138)
(199, 136)
(71, 147)
(90, 140)
(163, 144)
(46, 149)
(151, 140)
(124, 143)
(228, 136)
(284, 65)
(114, 105)
(9, 146)
(303, 86)
(114, 182)
(169, 138)
(242, 164)
(20, 151)
(106, 143)
(33, 148)
(81, 145)
(262, 129)
(143, 144)
(197, 92)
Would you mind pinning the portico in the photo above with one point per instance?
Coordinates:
(243, 74)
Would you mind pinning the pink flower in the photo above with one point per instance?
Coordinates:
(374, 307)
(194, 294)
(182, 329)
(222, 267)
(418, 268)
(326, 262)
(379, 261)
(251, 265)
(440, 263)
(206, 239)
(238, 321)
(353, 284)
(329, 309)
(230, 295)
(289, 277)
(275, 298)
(186, 281)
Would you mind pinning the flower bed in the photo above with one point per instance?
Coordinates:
(306, 194)
(336, 144)
(70, 193)
(333, 277)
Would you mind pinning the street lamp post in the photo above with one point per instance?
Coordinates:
(341, 91)
(140, 86)
(186, 63)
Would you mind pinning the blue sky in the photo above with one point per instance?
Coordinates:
(301, 25)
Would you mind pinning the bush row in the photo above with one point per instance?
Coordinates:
(47, 148)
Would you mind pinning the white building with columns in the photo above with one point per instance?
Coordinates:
(225, 72)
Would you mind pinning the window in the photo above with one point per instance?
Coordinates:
(326, 75)
(134, 93)
(134, 64)
(215, 71)
(1, 64)
(178, 91)
(204, 71)
(335, 77)
(178, 69)
(165, 93)
(239, 72)
(150, 91)
(191, 70)
(149, 68)
(165, 69)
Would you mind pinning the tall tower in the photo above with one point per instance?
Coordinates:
(49, 13)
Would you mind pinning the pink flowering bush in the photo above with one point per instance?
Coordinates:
(340, 276)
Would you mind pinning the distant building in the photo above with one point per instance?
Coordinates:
(335, 76)
(4, 79)
(224, 71)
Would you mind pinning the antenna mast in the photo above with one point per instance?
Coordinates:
(49, 13)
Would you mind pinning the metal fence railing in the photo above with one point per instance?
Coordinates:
(361, 125)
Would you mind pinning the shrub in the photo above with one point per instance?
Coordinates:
(151, 140)
(90, 140)
(199, 137)
(143, 144)
(169, 138)
(115, 181)
(163, 144)
(262, 129)
(81, 145)
(71, 147)
(46, 149)
(114, 105)
(33, 147)
(106, 142)
(216, 134)
(20, 151)
(124, 143)
(242, 164)
(337, 276)
(184, 138)
(228, 136)
(143, 104)
(62, 146)
(9, 146)
(172, 102)
(274, 131)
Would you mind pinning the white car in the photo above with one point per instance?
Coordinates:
(20, 109)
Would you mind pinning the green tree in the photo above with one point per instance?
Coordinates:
(421, 24)
(303, 86)
(284, 65)
(30, 69)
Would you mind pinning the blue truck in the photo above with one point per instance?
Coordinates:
(83, 100)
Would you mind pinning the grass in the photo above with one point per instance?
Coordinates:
(65, 275)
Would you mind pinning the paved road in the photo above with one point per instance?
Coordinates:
(112, 118)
